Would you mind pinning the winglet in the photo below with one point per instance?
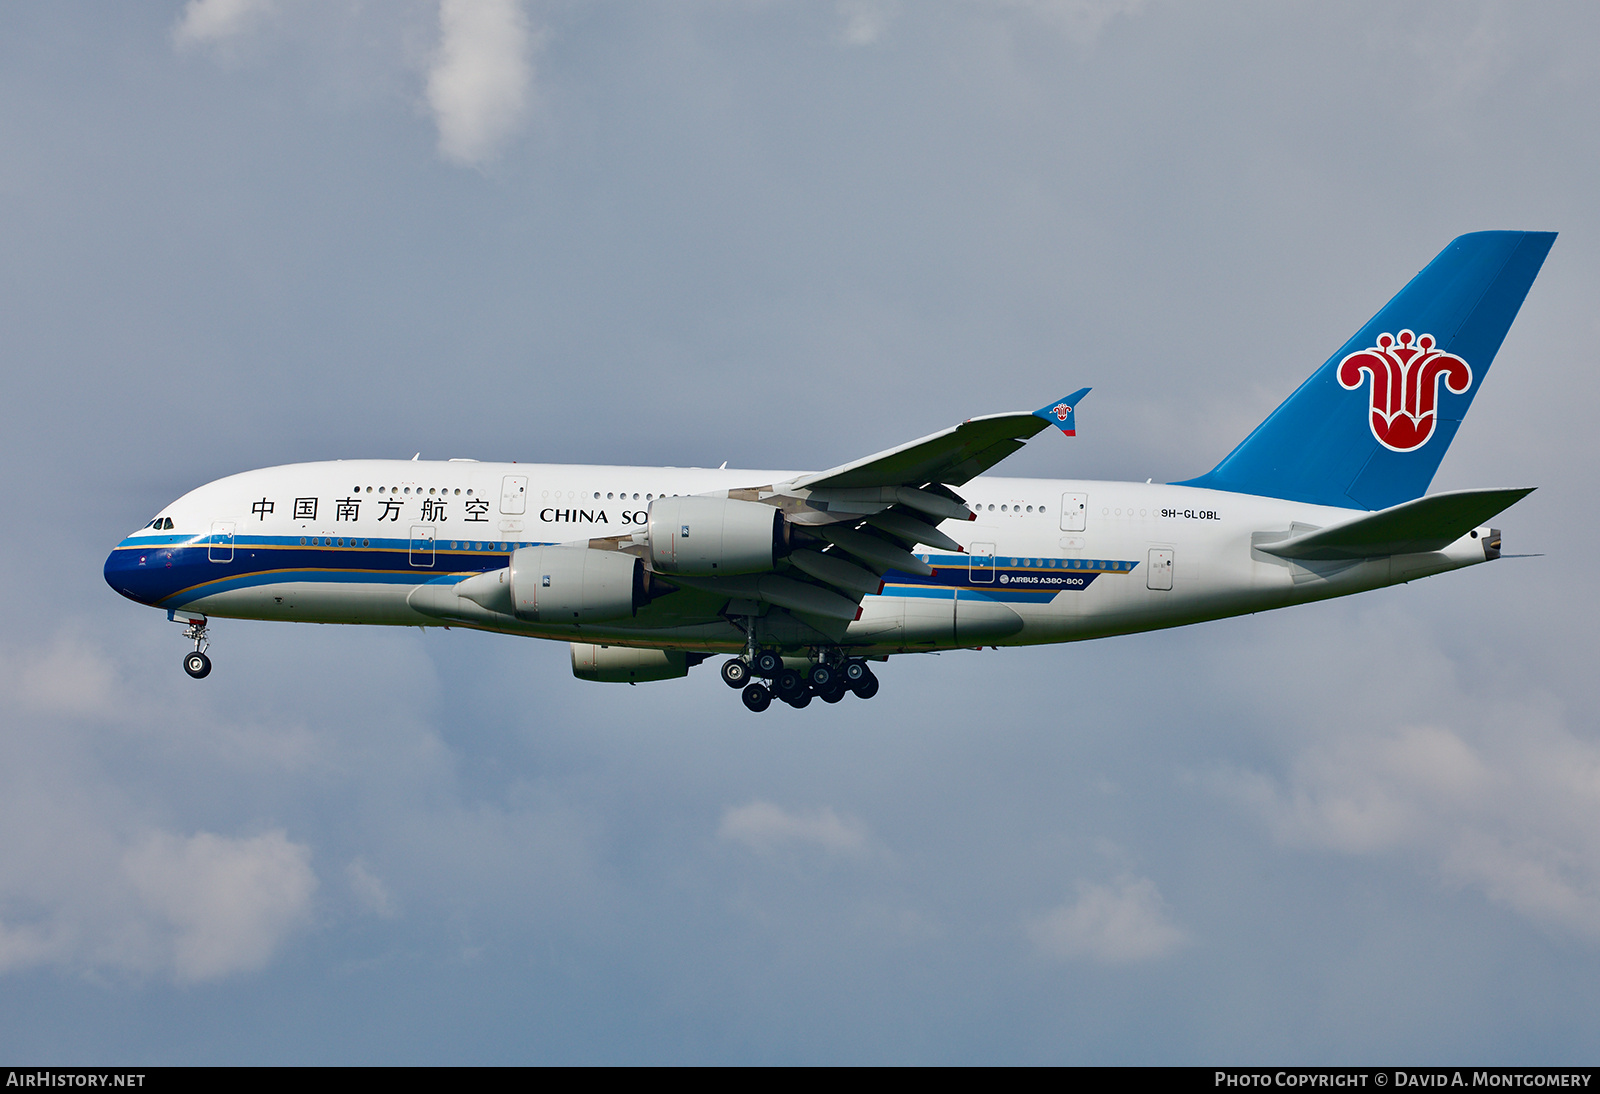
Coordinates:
(1060, 413)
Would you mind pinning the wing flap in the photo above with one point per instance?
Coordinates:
(1428, 523)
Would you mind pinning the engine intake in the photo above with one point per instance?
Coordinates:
(712, 537)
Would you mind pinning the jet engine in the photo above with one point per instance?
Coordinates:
(713, 537)
(575, 584)
(627, 665)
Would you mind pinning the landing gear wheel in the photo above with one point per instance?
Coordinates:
(197, 664)
(832, 695)
(788, 684)
(757, 697)
(855, 671)
(768, 663)
(735, 672)
(866, 687)
(822, 677)
(801, 701)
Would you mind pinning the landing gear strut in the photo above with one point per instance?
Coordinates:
(197, 664)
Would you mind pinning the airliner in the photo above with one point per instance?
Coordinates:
(807, 580)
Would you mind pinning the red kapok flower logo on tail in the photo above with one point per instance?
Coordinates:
(1405, 371)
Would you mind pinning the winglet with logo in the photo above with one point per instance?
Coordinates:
(1060, 413)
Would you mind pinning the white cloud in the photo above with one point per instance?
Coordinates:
(193, 908)
(1079, 20)
(67, 676)
(480, 83)
(1516, 816)
(766, 828)
(209, 22)
(1114, 924)
(370, 891)
(214, 905)
(865, 21)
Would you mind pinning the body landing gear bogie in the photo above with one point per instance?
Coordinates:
(736, 672)
(761, 677)
(756, 697)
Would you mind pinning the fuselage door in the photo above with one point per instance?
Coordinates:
(422, 545)
(514, 495)
(980, 563)
(221, 546)
(1159, 575)
(1074, 512)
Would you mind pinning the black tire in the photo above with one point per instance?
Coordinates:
(197, 664)
(832, 695)
(768, 663)
(866, 687)
(735, 672)
(855, 671)
(757, 698)
(822, 677)
(787, 684)
(801, 701)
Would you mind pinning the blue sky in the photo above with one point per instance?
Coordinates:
(241, 233)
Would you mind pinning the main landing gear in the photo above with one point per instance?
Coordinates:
(829, 680)
(197, 664)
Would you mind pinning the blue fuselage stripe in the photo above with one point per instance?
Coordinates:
(176, 570)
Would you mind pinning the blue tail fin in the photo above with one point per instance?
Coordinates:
(1369, 428)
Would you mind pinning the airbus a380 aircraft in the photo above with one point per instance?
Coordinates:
(805, 578)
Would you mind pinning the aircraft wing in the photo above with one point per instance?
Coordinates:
(858, 521)
(951, 456)
(854, 523)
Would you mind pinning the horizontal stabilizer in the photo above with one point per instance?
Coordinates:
(1428, 523)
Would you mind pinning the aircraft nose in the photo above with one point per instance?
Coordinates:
(137, 572)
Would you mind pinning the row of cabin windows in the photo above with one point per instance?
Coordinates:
(409, 490)
(455, 545)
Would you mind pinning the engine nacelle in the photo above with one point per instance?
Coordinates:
(626, 665)
(575, 584)
(711, 537)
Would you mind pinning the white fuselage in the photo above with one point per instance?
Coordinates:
(1047, 560)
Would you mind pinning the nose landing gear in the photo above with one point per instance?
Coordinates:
(197, 664)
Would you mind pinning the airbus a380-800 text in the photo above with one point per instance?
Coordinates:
(808, 579)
